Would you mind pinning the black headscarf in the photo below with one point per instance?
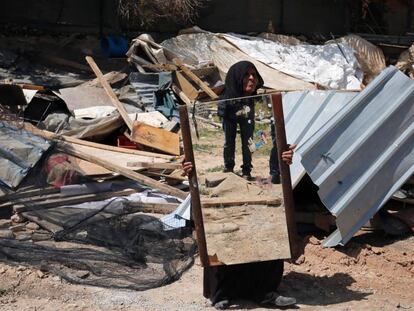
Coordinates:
(234, 89)
(234, 79)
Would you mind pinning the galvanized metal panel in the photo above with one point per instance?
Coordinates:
(19, 152)
(361, 156)
(145, 84)
(305, 113)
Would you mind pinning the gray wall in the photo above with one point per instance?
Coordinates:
(298, 16)
(60, 15)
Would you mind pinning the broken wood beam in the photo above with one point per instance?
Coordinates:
(55, 202)
(156, 138)
(110, 92)
(172, 177)
(125, 172)
(56, 137)
(196, 79)
(27, 194)
(162, 166)
(215, 202)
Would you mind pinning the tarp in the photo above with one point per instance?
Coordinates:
(370, 57)
(333, 66)
(226, 54)
(19, 152)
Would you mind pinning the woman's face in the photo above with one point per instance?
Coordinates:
(250, 81)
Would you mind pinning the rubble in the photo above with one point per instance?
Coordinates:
(91, 159)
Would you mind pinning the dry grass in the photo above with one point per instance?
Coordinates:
(149, 12)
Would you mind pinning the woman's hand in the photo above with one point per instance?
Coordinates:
(187, 168)
(288, 154)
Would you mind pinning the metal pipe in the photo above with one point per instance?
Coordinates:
(194, 189)
(285, 173)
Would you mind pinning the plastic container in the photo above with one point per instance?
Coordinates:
(114, 46)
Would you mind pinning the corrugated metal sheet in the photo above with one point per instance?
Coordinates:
(361, 156)
(19, 152)
(305, 113)
(145, 84)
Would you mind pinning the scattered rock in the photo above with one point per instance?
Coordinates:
(2, 270)
(6, 234)
(300, 260)
(17, 218)
(40, 274)
(5, 223)
(367, 246)
(377, 250)
(314, 241)
(82, 274)
(21, 268)
(23, 236)
(19, 227)
(32, 226)
(56, 278)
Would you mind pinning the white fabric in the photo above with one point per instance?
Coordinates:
(323, 64)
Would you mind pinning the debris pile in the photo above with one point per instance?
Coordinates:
(90, 159)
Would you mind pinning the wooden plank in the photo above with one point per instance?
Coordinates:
(55, 202)
(121, 159)
(244, 234)
(196, 211)
(89, 168)
(110, 92)
(196, 79)
(46, 196)
(162, 166)
(185, 86)
(172, 177)
(181, 94)
(56, 137)
(125, 172)
(156, 138)
(29, 193)
(111, 77)
(296, 244)
(216, 202)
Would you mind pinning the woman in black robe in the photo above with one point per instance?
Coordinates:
(242, 80)
(253, 281)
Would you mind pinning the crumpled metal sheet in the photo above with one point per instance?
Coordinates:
(362, 155)
(193, 49)
(19, 152)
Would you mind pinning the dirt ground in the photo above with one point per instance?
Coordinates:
(373, 272)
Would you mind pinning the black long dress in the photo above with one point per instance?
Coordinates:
(245, 281)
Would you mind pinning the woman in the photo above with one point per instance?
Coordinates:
(255, 281)
(242, 80)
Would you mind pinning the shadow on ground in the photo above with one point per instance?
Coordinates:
(312, 290)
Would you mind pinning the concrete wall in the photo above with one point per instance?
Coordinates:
(298, 16)
(73, 15)
(287, 16)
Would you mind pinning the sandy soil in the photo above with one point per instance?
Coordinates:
(372, 273)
